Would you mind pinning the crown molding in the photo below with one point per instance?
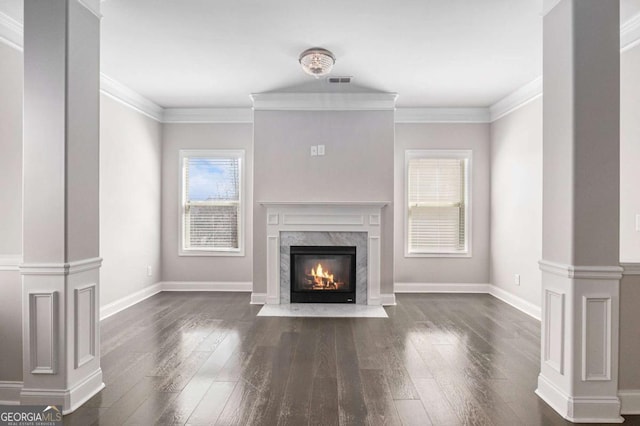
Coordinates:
(129, 97)
(516, 99)
(630, 33)
(442, 115)
(208, 115)
(92, 6)
(629, 38)
(548, 5)
(11, 32)
(324, 101)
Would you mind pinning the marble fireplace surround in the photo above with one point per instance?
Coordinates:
(306, 238)
(333, 222)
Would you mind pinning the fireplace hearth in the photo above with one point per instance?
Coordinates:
(323, 274)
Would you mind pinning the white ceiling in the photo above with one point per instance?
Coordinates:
(433, 53)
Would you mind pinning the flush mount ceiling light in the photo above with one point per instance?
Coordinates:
(317, 61)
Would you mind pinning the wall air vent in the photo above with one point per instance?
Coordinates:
(339, 80)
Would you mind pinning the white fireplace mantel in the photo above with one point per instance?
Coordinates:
(315, 216)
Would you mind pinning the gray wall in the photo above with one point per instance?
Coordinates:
(11, 87)
(629, 154)
(11, 84)
(358, 166)
(445, 270)
(130, 195)
(628, 371)
(202, 268)
(516, 201)
(629, 374)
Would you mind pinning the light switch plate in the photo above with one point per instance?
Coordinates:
(638, 222)
(320, 149)
(517, 279)
(314, 150)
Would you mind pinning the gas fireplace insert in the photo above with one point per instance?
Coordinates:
(323, 274)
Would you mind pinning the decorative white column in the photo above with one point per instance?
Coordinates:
(581, 172)
(60, 273)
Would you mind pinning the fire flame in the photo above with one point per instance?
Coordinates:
(318, 272)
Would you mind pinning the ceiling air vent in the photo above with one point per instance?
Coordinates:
(339, 80)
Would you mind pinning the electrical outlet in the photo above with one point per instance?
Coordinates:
(517, 279)
(314, 150)
(637, 222)
(320, 149)
(149, 271)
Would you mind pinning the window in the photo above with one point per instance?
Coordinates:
(438, 203)
(212, 202)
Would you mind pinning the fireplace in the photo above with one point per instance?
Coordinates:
(323, 274)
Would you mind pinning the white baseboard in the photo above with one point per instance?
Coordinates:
(516, 301)
(258, 298)
(70, 399)
(579, 409)
(441, 288)
(497, 292)
(206, 286)
(114, 307)
(10, 393)
(388, 299)
(629, 401)
(137, 297)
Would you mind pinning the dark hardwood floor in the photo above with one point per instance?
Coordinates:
(205, 358)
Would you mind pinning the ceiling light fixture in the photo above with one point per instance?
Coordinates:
(317, 61)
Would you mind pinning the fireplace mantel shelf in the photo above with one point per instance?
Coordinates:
(378, 204)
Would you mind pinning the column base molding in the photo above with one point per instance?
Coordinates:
(70, 399)
(579, 341)
(61, 333)
(579, 409)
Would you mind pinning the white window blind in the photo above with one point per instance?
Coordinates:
(437, 198)
(211, 202)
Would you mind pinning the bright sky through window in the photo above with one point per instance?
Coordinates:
(212, 179)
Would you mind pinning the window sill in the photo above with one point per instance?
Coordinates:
(440, 255)
(210, 253)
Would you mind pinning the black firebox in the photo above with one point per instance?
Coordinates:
(323, 274)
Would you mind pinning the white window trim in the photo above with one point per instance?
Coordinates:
(440, 153)
(235, 153)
